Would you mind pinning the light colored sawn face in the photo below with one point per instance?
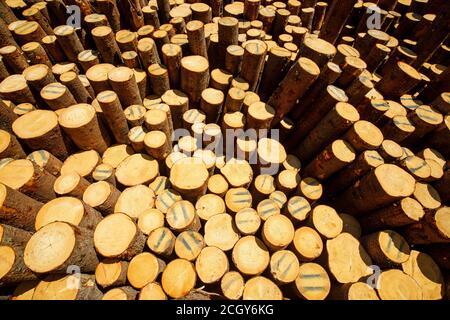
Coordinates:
(55, 242)
(114, 234)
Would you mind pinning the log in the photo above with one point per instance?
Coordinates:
(6, 36)
(74, 84)
(425, 120)
(143, 269)
(233, 59)
(262, 187)
(337, 259)
(209, 205)
(47, 161)
(211, 264)
(400, 79)
(81, 124)
(232, 285)
(217, 184)
(387, 248)
(150, 220)
(27, 31)
(312, 275)
(330, 96)
(25, 290)
(277, 63)
(181, 216)
(390, 151)
(10, 147)
(15, 89)
(237, 172)
(284, 267)
(134, 200)
(271, 235)
(398, 129)
(394, 284)
(111, 273)
(194, 76)
(196, 36)
(188, 245)
(351, 70)
(220, 232)
(13, 269)
(36, 53)
(189, 177)
(178, 103)
(364, 135)
(7, 117)
(161, 241)
(250, 256)
(298, 209)
(121, 293)
(70, 184)
(333, 158)
(427, 196)
(129, 240)
(101, 196)
(311, 189)
(126, 40)
(70, 210)
(307, 244)
(53, 48)
(152, 291)
(417, 167)
(30, 179)
(178, 278)
(74, 247)
(172, 59)
(57, 96)
(134, 115)
(387, 184)
(284, 97)
(247, 221)
(253, 62)
(69, 41)
(123, 81)
(253, 289)
(113, 114)
(13, 237)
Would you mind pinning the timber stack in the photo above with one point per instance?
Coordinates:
(259, 149)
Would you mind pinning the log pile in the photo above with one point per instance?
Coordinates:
(254, 150)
